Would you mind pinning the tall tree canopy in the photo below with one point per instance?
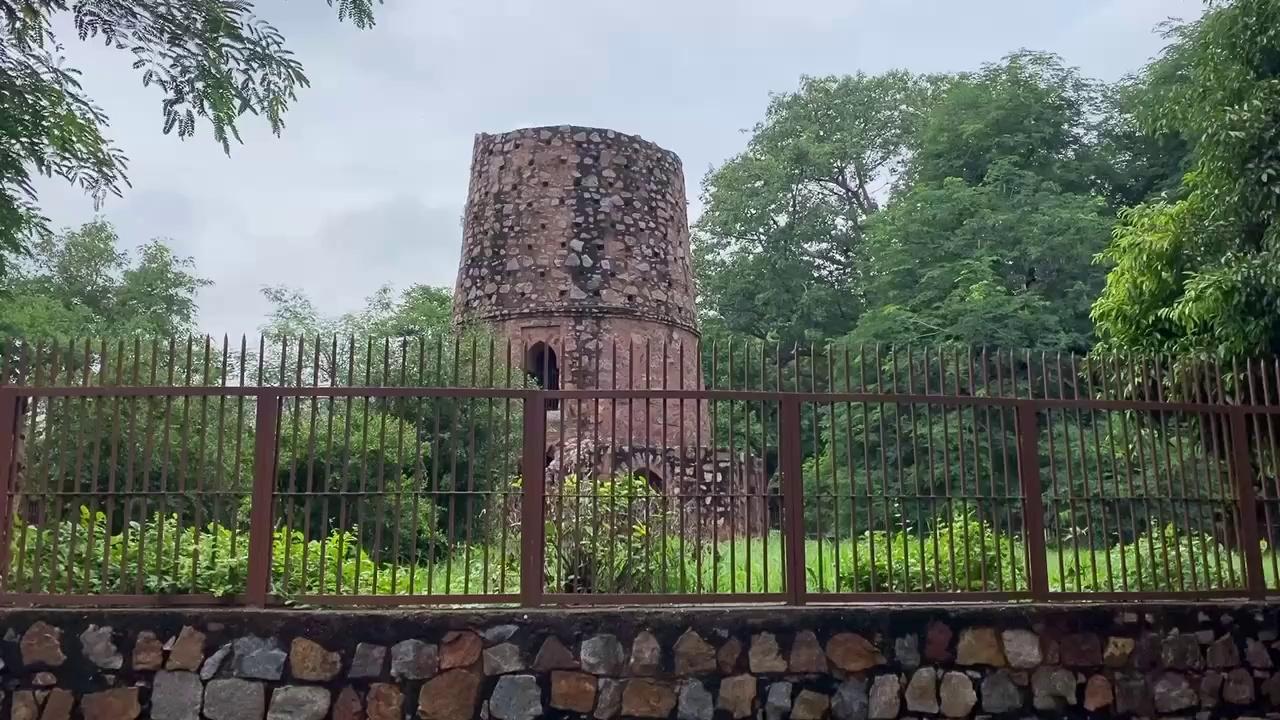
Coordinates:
(82, 283)
(211, 59)
(1201, 272)
(1029, 109)
(781, 241)
(989, 236)
(914, 209)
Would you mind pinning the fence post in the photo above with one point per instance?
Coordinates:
(261, 515)
(792, 497)
(1247, 504)
(8, 442)
(533, 468)
(1028, 440)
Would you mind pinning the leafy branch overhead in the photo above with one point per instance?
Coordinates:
(212, 60)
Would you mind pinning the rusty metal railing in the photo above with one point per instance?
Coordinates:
(424, 474)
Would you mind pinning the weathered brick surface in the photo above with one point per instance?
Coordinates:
(577, 240)
(575, 218)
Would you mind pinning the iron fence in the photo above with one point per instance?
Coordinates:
(450, 471)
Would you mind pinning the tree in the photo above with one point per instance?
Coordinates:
(1131, 164)
(417, 310)
(1004, 263)
(81, 309)
(986, 242)
(212, 59)
(429, 471)
(80, 283)
(1029, 110)
(780, 244)
(1201, 273)
(80, 287)
(989, 237)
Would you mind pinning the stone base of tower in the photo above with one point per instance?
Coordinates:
(711, 493)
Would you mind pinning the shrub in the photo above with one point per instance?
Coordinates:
(603, 542)
(163, 556)
(957, 553)
(602, 538)
(1162, 559)
(158, 556)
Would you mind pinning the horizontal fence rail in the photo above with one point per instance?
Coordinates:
(458, 472)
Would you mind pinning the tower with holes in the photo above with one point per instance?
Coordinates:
(576, 248)
(576, 253)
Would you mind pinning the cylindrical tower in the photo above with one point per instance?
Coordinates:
(576, 248)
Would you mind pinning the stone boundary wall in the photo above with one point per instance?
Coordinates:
(1175, 661)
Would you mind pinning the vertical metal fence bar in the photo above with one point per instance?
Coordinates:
(849, 470)
(8, 443)
(1033, 502)
(260, 512)
(866, 463)
(1268, 484)
(1224, 423)
(532, 512)
(916, 465)
(1248, 505)
(792, 498)
(507, 449)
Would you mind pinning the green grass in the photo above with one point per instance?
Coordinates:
(756, 566)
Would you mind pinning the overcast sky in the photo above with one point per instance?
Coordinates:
(367, 183)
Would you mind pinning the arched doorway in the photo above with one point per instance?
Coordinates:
(541, 365)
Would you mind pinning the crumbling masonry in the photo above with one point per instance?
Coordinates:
(576, 249)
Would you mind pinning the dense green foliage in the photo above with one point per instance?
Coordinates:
(782, 239)
(1025, 207)
(167, 555)
(212, 60)
(399, 475)
(986, 236)
(960, 553)
(1201, 273)
(1162, 558)
(989, 238)
(81, 283)
(402, 448)
(607, 535)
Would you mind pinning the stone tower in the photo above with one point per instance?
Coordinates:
(576, 248)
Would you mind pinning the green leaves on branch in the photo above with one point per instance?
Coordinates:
(606, 534)
(213, 60)
(1005, 263)
(80, 288)
(1202, 274)
(49, 128)
(780, 244)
